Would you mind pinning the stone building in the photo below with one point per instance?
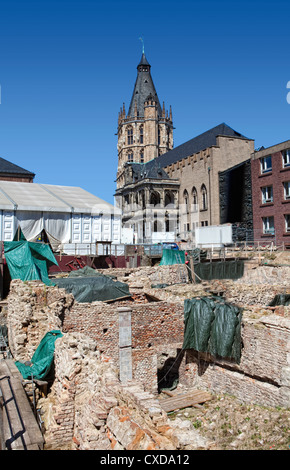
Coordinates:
(271, 194)
(146, 131)
(166, 192)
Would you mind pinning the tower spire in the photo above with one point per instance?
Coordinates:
(143, 49)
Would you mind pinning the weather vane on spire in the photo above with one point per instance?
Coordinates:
(143, 51)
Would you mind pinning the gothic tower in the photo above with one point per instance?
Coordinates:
(146, 131)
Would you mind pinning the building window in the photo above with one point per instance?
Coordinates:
(130, 136)
(130, 157)
(204, 223)
(141, 157)
(267, 194)
(169, 198)
(266, 164)
(141, 134)
(286, 158)
(155, 198)
(185, 199)
(158, 135)
(287, 222)
(203, 198)
(268, 225)
(194, 199)
(167, 224)
(286, 189)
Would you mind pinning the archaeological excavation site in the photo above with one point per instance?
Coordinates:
(189, 355)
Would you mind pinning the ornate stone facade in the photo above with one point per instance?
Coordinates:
(166, 192)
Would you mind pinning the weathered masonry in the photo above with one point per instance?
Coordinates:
(157, 328)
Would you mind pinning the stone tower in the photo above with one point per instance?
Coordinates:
(146, 131)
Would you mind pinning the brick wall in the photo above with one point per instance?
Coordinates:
(155, 327)
(279, 207)
(263, 375)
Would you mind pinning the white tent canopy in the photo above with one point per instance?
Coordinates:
(56, 209)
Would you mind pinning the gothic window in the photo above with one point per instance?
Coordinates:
(154, 198)
(130, 156)
(141, 199)
(194, 199)
(156, 224)
(158, 135)
(203, 198)
(141, 134)
(130, 135)
(186, 201)
(142, 157)
(169, 198)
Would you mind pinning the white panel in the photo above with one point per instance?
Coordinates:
(76, 228)
(96, 228)
(8, 226)
(87, 228)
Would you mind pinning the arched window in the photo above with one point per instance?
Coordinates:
(130, 156)
(159, 140)
(194, 199)
(142, 157)
(157, 226)
(169, 198)
(203, 198)
(186, 201)
(141, 199)
(130, 135)
(141, 135)
(154, 198)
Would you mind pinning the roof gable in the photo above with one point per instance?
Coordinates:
(11, 168)
(195, 145)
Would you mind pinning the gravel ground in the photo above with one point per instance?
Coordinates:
(229, 424)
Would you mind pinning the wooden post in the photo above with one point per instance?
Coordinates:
(192, 269)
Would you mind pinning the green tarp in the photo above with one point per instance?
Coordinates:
(29, 261)
(280, 299)
(170, 257)
(41, 363)
(88, 285)
(219, 270)
(212, 326)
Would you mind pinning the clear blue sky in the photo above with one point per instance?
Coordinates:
(66, 67)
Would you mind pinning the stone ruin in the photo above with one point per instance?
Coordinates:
(87, 405)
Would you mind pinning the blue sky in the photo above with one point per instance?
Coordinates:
(66, 67)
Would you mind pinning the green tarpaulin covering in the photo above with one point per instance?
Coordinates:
(219, 270)
(41, 363)
(280, 299)
(88, 285)
(29, 261)
(172, 257)
(211, 325)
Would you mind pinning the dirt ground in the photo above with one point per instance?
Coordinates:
(231, 425)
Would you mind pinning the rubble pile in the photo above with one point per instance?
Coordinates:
(89, 409)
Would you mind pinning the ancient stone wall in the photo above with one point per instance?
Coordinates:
(156, 326)
(91, 343)
(89, 409)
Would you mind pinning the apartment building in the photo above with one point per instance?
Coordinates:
(271, 194)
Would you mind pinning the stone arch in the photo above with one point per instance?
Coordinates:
(155, 198)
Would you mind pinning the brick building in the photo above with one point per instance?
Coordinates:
(270, 168)
(11, 172)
